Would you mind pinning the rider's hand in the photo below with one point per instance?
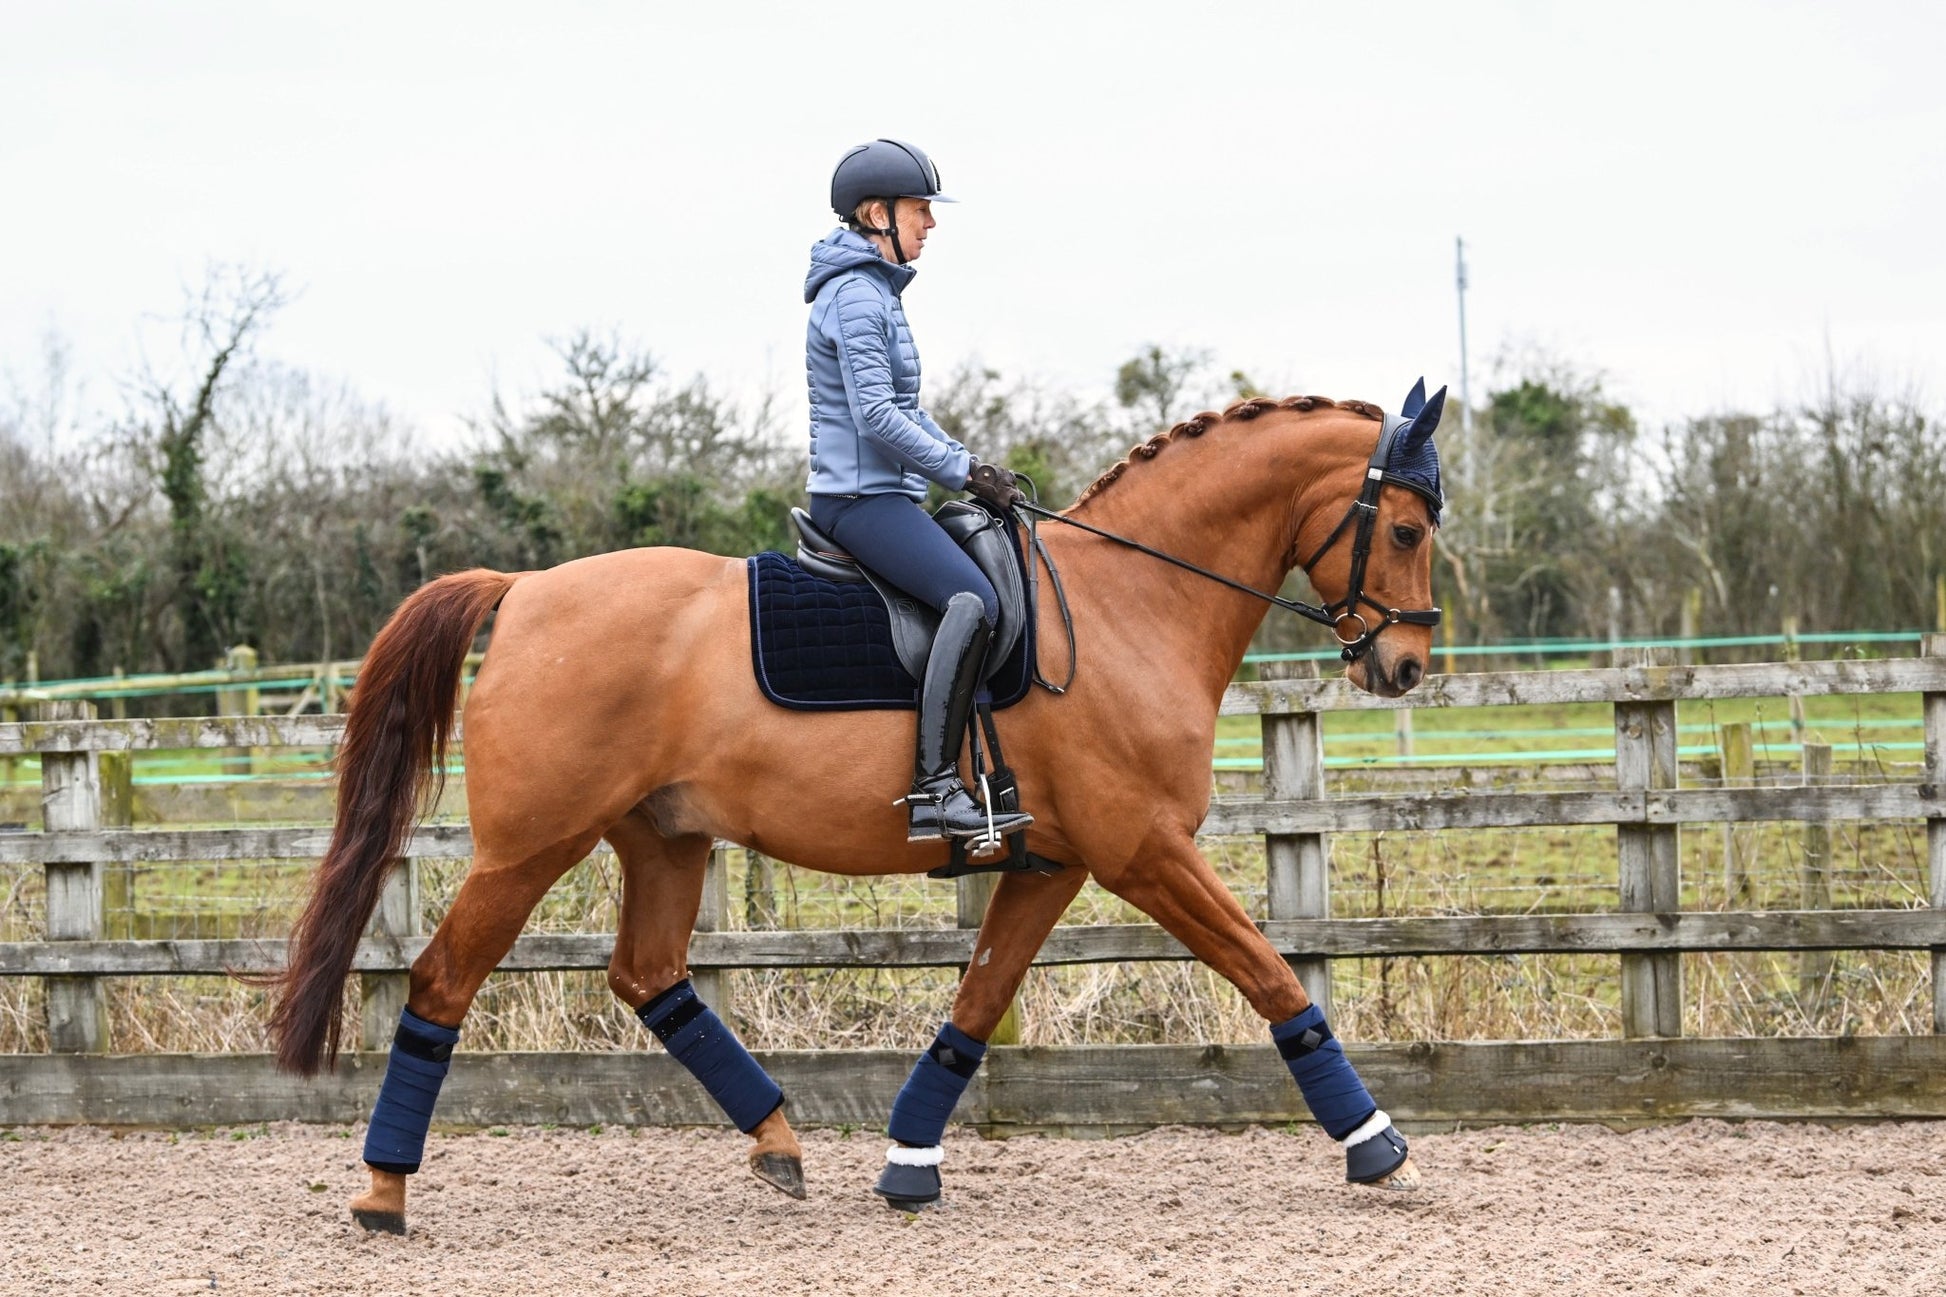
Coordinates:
(995, 485)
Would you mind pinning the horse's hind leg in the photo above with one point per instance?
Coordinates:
(662, 885)
(487, 915)
(1175, 886)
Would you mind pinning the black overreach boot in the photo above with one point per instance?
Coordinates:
(939, 805)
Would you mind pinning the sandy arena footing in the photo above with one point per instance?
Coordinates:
(1706, 1207)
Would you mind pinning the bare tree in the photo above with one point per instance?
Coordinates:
(219, 326)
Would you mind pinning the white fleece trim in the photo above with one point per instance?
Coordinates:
(900, 1155)
(1374, 1127)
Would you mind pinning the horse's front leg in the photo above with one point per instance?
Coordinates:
(662, 886)
(1022, 912)
(1172, 883)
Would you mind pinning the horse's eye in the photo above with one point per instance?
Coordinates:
(1405, 535)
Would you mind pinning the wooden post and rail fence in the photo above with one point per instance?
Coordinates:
(1652, 1072)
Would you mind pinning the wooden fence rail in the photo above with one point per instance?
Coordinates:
(1649, 1074)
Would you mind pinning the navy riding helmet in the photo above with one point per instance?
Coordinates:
(887, 169)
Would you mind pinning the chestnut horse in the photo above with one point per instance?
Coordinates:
(615, 703)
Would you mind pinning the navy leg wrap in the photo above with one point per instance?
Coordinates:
(690, 1030)
(421, 1054)
(927, 1099)
(1338, 1099)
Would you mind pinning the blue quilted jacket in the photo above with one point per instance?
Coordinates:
(868, 434)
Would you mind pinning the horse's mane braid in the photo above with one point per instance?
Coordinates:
(1241, 412)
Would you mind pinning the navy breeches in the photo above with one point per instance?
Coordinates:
(898, 540)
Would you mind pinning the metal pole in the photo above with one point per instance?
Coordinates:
(1459, 270)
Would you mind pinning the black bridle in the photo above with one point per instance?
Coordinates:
(1337, 615)
(1365, 510)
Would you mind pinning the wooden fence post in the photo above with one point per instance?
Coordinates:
(1794, 652)
(1691, 625)
(1739, 771)
(1814, 885)
(712, 916)
(383, 995)
(8, 715)
(759, 891)
(77, 1011)
(1298, 864)
(244, 701)
(1935, 709)
(118, 916)
(1650, 864)
(973, 893)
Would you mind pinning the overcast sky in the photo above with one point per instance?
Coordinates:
(1692, 198)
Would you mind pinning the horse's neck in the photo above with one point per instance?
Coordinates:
(1231, 503)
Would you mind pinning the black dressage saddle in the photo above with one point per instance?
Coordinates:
(987, 540)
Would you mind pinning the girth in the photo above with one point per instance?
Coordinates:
(987, 540)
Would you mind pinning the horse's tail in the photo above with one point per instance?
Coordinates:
(400, 717)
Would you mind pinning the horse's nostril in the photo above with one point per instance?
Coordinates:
(1409, 673)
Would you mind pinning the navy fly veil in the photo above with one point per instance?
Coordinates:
(1411, 460)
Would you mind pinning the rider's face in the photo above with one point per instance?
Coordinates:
(914, 222)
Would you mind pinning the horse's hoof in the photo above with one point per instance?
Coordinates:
(780, 1171)
(908, 1188)
(380, 1222)
(1404, 1176)
(1380, 1159)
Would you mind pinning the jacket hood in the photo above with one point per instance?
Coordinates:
(843, 251)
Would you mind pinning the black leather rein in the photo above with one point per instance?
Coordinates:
(1334, 615)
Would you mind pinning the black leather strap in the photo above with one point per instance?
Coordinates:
(1364, 510)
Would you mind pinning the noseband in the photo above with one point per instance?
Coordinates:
(1336, 615)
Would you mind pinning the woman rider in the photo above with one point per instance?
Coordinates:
(873, 449)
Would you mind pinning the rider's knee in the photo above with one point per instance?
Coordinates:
(989, 603)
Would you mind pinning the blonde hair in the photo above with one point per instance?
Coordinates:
(859, 221)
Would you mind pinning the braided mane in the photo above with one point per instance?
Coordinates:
(1241, 412)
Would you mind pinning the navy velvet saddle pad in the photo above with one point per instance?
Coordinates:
(819, 645)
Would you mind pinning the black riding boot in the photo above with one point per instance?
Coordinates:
(939, 805)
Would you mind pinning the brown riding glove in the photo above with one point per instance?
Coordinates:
(995, 485)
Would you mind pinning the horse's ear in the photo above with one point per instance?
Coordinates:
(1415, 401)
(1425, 421)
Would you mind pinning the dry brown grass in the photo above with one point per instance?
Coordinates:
(1437, 998)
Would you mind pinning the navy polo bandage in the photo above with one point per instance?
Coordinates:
(421, 1054)
(926, 1101)
(691, 1031)
(1337, 1098)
